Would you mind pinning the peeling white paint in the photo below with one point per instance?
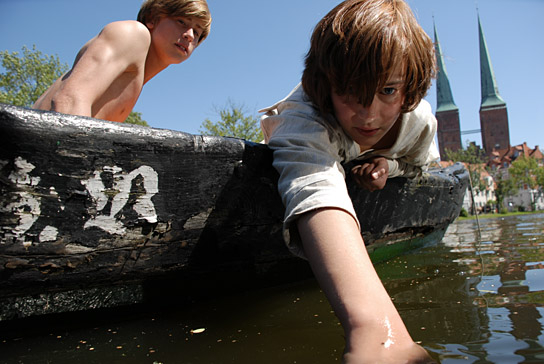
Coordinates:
(26, 218)
(49, 233)
(95, 187)
(20, 175)
(144, 206)
(25, 205)
(122, 184)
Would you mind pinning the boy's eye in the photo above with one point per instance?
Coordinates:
(389, 90)
(187, 24)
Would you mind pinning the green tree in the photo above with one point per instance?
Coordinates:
(526, 171)
(471, 155)
(233, 123)
(473, 158)
(27, 76)
(504, 187)
(136, 118)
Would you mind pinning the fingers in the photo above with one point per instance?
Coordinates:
(371, 175)
(379, 168)
(377, 174)
(364, 169)
(370, 169)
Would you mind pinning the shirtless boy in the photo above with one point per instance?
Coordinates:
(111, 69)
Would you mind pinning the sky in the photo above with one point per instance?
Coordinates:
(255, 52)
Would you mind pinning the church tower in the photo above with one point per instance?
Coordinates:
(493, 113)
(447, 113)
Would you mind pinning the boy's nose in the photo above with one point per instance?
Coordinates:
(189, 34)
(366, 112)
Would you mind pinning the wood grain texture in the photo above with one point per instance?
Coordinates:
(87, 203)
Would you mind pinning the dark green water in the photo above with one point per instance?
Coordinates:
(465, 300)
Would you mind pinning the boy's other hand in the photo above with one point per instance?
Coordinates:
(372, 175)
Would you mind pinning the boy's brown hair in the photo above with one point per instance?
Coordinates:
(357, 46)
(151, 10)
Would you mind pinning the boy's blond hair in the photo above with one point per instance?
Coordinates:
(151, 10)
(358, 45)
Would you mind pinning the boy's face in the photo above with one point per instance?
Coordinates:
(175, 38)
(370, 126)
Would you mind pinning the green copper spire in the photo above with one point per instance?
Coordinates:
(490, 91)
(444, 97)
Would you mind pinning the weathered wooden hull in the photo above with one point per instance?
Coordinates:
(87, 204)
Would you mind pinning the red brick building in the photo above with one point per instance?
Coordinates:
(505, 157)
(493, 112)
(447, 113)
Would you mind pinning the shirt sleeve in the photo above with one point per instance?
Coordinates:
(308, 157)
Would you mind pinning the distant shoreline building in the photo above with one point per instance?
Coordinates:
(493, 112)
(447, 113)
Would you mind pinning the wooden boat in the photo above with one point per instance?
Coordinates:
(98, 214)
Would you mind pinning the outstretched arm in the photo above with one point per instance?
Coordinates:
(373, 327)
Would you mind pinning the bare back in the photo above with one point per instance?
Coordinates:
(107, 76)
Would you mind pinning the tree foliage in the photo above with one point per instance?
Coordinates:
(233, 123)
(136, 118)
(526, 171)
(504, 187)
(473, 157)
(26, 76)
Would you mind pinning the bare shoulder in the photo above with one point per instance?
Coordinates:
(127, 28)
(126, 33)
(126, 42)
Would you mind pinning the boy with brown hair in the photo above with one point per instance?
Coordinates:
(367, 70)
(111, 69)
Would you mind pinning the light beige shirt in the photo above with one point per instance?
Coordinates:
(310, 148)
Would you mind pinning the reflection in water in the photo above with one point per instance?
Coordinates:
(466, 299)
(488, 293)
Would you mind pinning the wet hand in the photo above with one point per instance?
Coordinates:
(371, 175)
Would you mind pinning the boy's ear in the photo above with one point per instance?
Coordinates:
(150, 24)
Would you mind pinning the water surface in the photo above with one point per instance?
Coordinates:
(466, 299)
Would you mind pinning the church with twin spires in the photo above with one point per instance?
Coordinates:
(493, 113)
